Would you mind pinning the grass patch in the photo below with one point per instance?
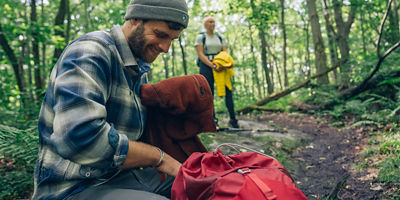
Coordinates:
(385, 150)
(390, 170)
(207, 139)
(281, 149)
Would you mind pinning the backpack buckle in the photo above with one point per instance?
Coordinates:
(244, 170)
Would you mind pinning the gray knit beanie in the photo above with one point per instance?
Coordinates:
(168, 10)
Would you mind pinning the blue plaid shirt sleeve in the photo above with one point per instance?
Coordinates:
(80, 91)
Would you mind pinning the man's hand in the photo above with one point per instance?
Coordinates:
(168, 166)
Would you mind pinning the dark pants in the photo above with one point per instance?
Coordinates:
(207, 72)
(130, 184)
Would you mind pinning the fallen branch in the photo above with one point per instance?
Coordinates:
(278, 95)
(353, 91)
(345, 94)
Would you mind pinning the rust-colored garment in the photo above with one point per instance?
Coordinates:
(179, 108)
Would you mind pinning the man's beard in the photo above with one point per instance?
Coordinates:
(137, 42)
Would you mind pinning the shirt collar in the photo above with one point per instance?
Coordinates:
(123, 47)
(125, 52)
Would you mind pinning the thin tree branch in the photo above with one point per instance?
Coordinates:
(381, 28)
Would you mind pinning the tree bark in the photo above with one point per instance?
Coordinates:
(261, 34)
(68, 28)
(35, 51)
(88, 23)
(254, 67)
(183, 56)
(43, 43)
(59, 27)
(165, 59)
(331, 39)
(363, 30)
(173, 59)
(342, 35)
(394, 30)
(320, 56)
(18, 70)
(283, 27)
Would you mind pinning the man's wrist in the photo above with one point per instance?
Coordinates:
(162, 154)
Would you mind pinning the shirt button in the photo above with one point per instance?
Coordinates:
(87, 174)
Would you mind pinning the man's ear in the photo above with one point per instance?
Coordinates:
(134, 21)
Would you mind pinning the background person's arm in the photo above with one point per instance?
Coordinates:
(203, 58)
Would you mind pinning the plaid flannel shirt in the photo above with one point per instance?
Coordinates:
(90, 110)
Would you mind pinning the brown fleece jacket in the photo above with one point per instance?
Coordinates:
(179, 108)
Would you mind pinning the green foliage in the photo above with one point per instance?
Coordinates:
(207, 139)
(369, 109)
(321, 94)
(389, 146)
(18, 153)
(390, 170)
(391, 81)
(385, 149)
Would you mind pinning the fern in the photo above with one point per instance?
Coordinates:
(391, 81)
(363, 123)
(18, 153)
(20, 145)
(394, 111)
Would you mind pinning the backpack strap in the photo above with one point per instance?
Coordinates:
(204, 39)
(262, 186)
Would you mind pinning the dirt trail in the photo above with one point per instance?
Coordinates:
(321, 163)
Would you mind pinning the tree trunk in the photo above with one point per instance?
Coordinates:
(331, 39)
(18, 70)
(393, 33)
(165, 59)
(275, 61)
(308, 59)
(261, 34)
(183, 56)
(255, 67)
(320, 56)
(35, 51)
(363, 30)
(68, 29)
(342, 35)
(283, 27)
(59, 27)
(87, 26)
(173, 58)
(43, 44)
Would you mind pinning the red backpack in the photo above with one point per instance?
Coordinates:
(242, 176)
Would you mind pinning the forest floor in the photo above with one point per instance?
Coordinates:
(320, 157)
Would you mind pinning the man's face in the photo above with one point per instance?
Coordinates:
(149, 39)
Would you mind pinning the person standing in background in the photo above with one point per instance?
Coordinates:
(208, 44)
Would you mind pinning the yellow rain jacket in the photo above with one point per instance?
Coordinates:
(223, 78)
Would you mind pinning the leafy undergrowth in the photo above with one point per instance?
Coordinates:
(382, 155)
(18, 150)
